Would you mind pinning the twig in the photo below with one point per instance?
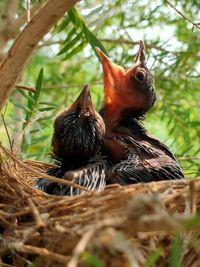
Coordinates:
(128, 42)
(28, 13)
(28, 126)
(39, 222)
(115, 41)
(120, 242)
(6, 265)
(192, 197)
(82, 244)
(41, 251)
(7, 223)
(7, 133)
(24, 87)
(189, 158)
(15, 214)
(182, 15)
(73, 85)
(59, 86)
(23, 18)
(80, 247)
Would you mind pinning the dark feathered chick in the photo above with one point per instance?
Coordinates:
(129, 94)
(77, 146)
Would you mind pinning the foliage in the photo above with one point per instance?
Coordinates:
(175, 256)
(92, 260)
(68, 58)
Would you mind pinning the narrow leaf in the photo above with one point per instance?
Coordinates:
(70, 44)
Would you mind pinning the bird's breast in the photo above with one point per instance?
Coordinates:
(116, 148)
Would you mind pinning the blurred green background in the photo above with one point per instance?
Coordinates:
(68, 59)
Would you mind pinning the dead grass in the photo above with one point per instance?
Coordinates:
(122, 226)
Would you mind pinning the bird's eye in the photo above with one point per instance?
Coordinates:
(140, 76)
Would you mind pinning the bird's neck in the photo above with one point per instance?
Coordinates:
(123, 118)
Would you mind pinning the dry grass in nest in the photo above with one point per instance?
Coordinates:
(122, 226)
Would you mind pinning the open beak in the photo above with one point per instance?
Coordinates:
(84, 102)
(108, 66)
(111, 73)
(141, 58)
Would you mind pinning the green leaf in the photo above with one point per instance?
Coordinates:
(75, 17)
(78, 22)
(194, 221)
(70, 44)
(92, 40)
(76, 50)
(153, 258)
(46, 109)
(94, 11)
(27, 96)
(48, 104)
(32, 104)
(175, 252)
(64, 24)
(19, 105)
(92, 260)
(70, 34)
(38, 85)
(46, 117)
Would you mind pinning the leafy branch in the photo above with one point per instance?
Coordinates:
(77, 41)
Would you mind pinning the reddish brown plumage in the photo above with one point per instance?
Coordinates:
(126, 88)
(129, 94)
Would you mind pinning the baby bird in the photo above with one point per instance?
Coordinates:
(77, 147)
(128, 95)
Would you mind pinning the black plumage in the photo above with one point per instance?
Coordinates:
(77, 147)
(137, 157)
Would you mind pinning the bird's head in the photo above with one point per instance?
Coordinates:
(128, 88)
(78, 129)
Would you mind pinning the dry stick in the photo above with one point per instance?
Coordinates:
(7, 223)
(25, 211)
(82, 244)
(38, 173)
(41, 251)
(128, 42)
(148, 223)
(39, 222)
(186, 18)
(192, 197)
(114, 41)
(20, 52)
(23, 18)
(6, 265)
(23, 87)
(80, 248)
(28, 10)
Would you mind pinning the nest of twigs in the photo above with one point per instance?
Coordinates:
(122, 226)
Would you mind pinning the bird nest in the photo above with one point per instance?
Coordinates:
(149, 224)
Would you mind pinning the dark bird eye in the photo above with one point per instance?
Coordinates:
(140, 76)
